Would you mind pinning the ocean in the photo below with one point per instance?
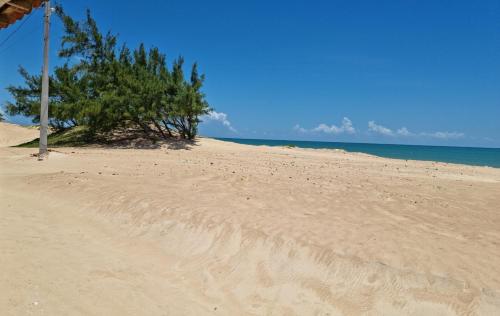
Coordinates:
(461, 155)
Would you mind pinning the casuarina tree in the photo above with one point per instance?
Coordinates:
(105, 88)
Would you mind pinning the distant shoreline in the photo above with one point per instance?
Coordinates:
(471, 156)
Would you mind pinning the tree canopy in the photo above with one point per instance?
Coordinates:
(105, 87)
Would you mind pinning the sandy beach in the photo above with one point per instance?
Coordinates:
(217, 228)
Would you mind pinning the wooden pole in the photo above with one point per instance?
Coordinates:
(44, 107)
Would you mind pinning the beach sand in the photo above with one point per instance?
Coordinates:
(218, 228)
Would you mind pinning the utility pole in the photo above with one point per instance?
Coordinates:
(44, 108)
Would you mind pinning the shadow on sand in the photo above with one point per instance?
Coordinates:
(121, 139)
(137, 141)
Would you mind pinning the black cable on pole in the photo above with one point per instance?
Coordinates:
(18, 39)
(17, 29)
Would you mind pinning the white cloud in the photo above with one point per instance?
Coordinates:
(373, 127)
(327, 129)
(404, 132)
(299, 129)
(444, 135)
(346, 127)
(219, 117)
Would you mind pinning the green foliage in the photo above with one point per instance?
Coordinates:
(104, 88)
(77, 136)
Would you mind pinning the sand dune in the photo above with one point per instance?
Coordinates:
(227, 229)
(12, 134)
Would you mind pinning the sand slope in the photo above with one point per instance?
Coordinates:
(12, 134)
(227, 229)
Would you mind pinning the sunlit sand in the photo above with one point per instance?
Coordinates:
(228, 229)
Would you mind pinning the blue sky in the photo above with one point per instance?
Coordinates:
(411, 72)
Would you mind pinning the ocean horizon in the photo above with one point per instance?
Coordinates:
(474, 156)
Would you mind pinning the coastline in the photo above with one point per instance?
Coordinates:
(370, 149)
(234, 229)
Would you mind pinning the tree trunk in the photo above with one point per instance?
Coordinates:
(159, 129)
(167, 128)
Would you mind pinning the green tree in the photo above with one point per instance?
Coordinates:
(105, 88)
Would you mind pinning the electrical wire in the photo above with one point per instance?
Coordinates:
(19, 38)
(17, 29)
